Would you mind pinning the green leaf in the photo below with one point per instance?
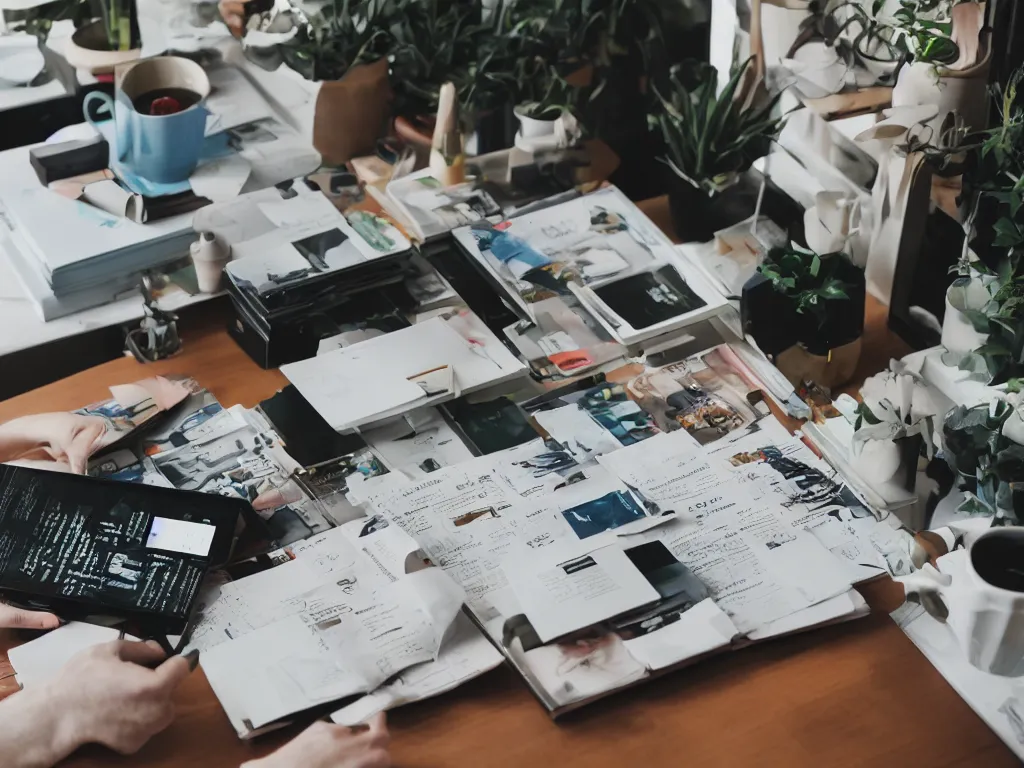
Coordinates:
(816, 261)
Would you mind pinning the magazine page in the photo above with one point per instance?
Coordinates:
(599, 248)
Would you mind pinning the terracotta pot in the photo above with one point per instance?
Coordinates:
(87, 49)
(351, 113)
(832, 370)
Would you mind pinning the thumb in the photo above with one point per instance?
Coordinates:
(19, 618)
(82, 446)
(173, 672)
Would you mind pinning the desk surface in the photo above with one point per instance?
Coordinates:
(858, 694)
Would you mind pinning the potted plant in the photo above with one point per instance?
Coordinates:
(439, 41)
(112, 38)
(344, 45)
(710, 143)
(806, 312)
(987, 462)
(936, 72)
(542, 97)
(895, 420)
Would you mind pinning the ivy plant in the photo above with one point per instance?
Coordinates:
(807, 279)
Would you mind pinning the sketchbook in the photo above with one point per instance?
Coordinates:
(600, 249)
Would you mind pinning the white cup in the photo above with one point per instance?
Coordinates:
(988, 620)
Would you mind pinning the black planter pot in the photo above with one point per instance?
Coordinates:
(772, 320)
(696, 215)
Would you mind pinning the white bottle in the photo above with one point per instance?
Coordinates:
(209, 257)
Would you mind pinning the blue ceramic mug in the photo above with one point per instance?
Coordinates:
(159, 148)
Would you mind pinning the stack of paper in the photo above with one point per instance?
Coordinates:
(373, 379)
(341, 619)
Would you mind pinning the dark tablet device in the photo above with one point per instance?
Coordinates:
(80, 546)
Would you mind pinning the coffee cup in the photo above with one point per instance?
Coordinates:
(163, 142)
(984, 602)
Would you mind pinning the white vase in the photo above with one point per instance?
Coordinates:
(875, 461)
(964, 92)
(958, 334)
(532, 128)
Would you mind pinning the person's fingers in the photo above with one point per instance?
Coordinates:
(173, 672)
(81, 446)
(19, 618)
(145, 654)
(378, 729)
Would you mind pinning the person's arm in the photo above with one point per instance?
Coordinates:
(326, 745)
(116, 694)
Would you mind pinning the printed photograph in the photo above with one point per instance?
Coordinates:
(702, 394)
(329, 250)
(650, 298)
(611, 511)
(611, 407)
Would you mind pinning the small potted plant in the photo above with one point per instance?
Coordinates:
(981, 448)
(439, 41)
(895, 420)
(710, 144)
(344, 45)
(806, 312)
(543, 96)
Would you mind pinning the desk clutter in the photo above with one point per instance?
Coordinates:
(521, 425)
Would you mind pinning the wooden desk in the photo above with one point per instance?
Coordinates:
(859, 694)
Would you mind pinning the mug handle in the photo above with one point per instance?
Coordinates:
(106, 108)
(926, 587)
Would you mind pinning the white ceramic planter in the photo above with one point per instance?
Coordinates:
(876, 461)
(780, 27)
(532, 128)
(84, 50)
(963, 92)
(958, 335)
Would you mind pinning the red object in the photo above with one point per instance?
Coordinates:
(165, 105)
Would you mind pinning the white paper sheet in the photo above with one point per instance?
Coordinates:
(576, 430)
(465, 655)
(416, 452)
(220, 179)
(365, 382)
(702, 629)
(562, 596)
(41, 659)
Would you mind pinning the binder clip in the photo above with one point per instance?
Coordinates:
(157, 334)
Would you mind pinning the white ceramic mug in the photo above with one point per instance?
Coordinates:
(987, 620)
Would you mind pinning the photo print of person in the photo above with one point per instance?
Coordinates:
(808, 486)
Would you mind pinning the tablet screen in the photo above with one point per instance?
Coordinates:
(115, 547)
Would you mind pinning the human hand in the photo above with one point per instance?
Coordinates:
(19, 618)
(119, 694)
(65, 437)
(233, 13)
(326, 745)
